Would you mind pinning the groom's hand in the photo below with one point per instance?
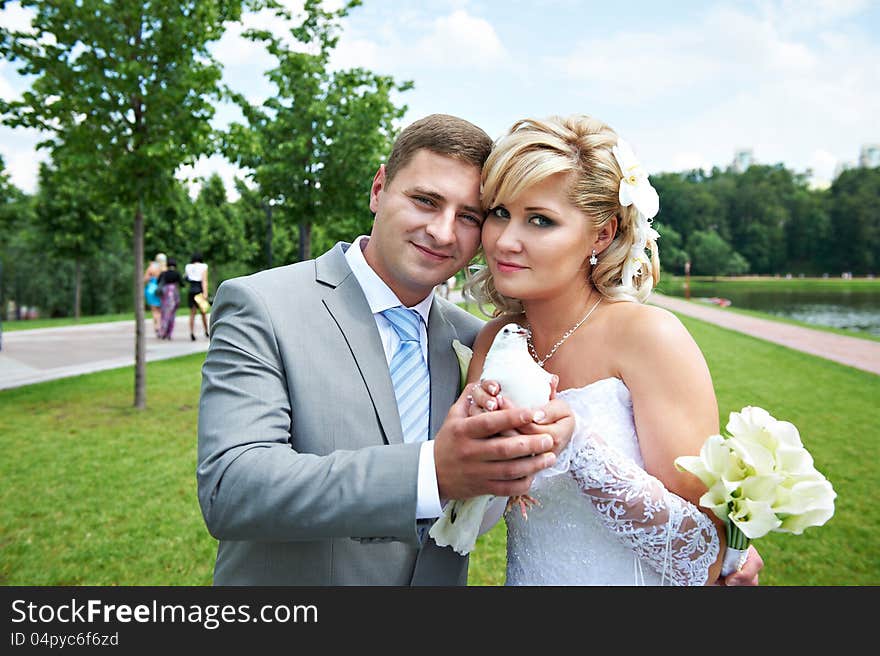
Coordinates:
(558, 421)
(468, 464)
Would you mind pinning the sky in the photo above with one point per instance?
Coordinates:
(686, 83)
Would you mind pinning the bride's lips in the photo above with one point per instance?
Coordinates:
(509, 267)
(435, 255)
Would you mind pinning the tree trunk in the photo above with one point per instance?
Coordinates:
(268, 235)
(77, 290)
(305, 240)
(140, 350)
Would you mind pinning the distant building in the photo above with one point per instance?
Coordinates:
(869, 157)
(742, 160)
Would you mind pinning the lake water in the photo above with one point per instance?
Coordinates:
(850, 310)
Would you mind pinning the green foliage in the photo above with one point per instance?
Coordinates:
(672, 255)
(126, 90)
(855, 220)
(711, 255)
(772, 220)
(313, 146)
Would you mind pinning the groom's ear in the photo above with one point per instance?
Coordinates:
(376, 188)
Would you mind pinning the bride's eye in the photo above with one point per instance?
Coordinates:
(541, 221)
(500, 211)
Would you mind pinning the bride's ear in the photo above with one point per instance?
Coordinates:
(606, 234)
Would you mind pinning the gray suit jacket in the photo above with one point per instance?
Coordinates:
(303, 475)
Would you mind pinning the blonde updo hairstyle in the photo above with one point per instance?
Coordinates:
(579, 145)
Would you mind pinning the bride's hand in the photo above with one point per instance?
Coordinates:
(486, 396)
(482, 397)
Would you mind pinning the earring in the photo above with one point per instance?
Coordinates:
(593, 258)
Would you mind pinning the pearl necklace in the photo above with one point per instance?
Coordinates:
(568, 333)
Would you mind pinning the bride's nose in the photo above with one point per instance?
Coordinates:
(509, 238)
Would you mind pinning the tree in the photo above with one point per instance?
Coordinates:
(672, 255)
(69, 219)
(128, 87)
(256, 213)
(311, 146)
(759, 213)
(219, 230)
(712, 256)
(855, 220)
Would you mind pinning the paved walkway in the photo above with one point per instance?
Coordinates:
(852, 351)
(33, 356)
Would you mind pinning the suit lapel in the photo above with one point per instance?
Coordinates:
(349, 308)
(443, 365)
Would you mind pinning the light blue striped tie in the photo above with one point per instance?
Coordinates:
(409, 375)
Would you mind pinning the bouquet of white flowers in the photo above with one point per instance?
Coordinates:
(760, 479)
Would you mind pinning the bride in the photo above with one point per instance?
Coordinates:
(566, 240)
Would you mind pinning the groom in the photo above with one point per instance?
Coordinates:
(306, 473)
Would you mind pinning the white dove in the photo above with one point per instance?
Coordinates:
(527, 385)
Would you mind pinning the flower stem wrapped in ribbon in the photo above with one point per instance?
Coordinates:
(760, 479)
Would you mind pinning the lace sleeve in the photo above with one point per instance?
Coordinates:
(665, 531)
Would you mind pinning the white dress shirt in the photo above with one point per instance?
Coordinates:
(380, 298)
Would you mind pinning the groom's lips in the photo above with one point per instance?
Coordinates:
(436, 255)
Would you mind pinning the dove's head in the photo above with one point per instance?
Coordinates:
(512, 335)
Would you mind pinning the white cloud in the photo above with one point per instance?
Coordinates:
(14, 17)
(451, 43)
(20, 157)
(207, 166)
(734, 80)
(460, 40)
(6, 90)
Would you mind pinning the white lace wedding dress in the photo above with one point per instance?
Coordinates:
(602, 519)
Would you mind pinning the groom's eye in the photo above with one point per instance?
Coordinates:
(424, 200)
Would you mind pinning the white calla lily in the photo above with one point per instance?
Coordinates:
(785, 434)
(754, 518)
(717, 499)
(794, 460)
(749, 420)
(761, 488)
(796, 524)
(760, 478)
(754, 454)
(804, 496)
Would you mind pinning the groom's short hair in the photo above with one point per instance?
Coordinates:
(442, 134)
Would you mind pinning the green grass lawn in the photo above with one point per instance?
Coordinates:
(60, 322)
(835, 409)
(96, 493)
(30, 324)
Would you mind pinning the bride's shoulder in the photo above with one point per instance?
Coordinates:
(643, 324)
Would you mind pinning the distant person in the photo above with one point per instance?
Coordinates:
(151, 288)
(169, 282)
(196, 274)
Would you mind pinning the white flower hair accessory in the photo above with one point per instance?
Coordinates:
(636, 189)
